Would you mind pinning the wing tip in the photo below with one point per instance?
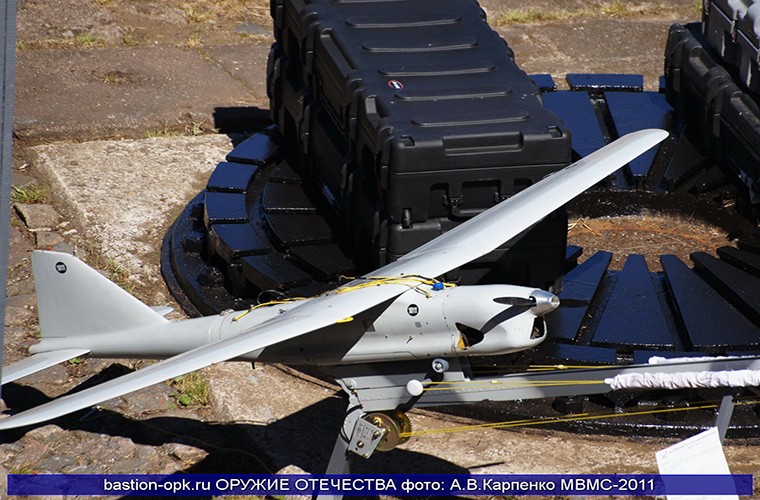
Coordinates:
(655, 134)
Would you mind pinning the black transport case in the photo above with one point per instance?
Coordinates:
(413, 117)
(720, 26)
(428, 97)
(720, 115)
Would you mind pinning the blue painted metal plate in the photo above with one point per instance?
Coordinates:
(740, 288)
(703, 312)
(231, 177)
(225, 208)
(576, 110)
(605, 81)
(633, 316)
(256, 150)
(580, 286)
(632, 111)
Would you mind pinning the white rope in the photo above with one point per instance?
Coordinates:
(685, 380)
(659, 360)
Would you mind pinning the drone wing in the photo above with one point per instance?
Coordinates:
(459, 246)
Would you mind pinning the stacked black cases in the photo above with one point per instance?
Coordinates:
(748, 47)
(721, 116)
(731, 29)
(720, 26)
(412, 116)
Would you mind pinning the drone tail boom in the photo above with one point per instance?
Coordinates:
(75, 300)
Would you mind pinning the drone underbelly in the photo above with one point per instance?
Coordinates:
(414, 326)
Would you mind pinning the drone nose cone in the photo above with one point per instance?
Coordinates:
(545, 302)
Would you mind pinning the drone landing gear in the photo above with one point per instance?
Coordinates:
(364, 433)
(377, 391)
(381, 428)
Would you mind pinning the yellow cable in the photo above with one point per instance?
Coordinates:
(412, 281)
(565, 367)
(266, 304)
(566, 418)
(540, 368)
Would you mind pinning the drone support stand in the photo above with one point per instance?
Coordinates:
(339, 463)
(390, 386)
(339, 459)
(725, 411)
(357, 436)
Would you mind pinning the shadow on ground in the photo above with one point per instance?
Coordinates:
(304, 439)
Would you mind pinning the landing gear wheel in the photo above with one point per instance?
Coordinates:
(396, 425)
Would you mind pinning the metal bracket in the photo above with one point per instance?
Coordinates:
(365, 438)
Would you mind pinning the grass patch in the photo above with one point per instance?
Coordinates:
(165, 131)
(23, 469)
(199, 128)
(160, 133)
(200, 11)
(50, 43)
(192, 389)
(28, 195)
(531, 15)
(195, 41)
(129, 40)
(86, 39)
(181, 129)
(119, 275)
(614, 8)
(118, 77)
(196, 13)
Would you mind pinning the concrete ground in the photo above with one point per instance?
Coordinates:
(116, 107)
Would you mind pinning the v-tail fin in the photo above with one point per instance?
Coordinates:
(74, 299)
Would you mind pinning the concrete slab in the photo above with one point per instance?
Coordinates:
(247, 63)
(42, 23)
(590, 46)
(123, 195)
(123, 92)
